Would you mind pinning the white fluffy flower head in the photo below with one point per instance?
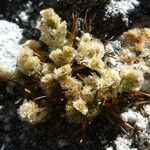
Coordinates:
(90, 47)
(62, 71)
(30, 112)
(27, 63)
(131, 80)
(81, 106)
(53, 31)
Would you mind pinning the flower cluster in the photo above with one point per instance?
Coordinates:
(80, 76)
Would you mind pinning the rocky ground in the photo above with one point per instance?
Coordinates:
(110, 21)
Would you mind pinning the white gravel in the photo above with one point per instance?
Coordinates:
(23, 15)
(123, 7)
(123, 143)
(10, 35)
(136, 118)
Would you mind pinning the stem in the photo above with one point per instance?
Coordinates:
(74, 30)
(39, 98)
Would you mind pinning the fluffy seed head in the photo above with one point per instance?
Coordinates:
(131, 80)
(30, 112)
(62, 71)
(81, 106)
(47, 83)
(27, 63)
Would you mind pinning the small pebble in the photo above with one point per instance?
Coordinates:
(24, 17)
(7, 127)
(22, 136)
(1, 107)
(62, 143)
(6, 119)
(7, 138)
